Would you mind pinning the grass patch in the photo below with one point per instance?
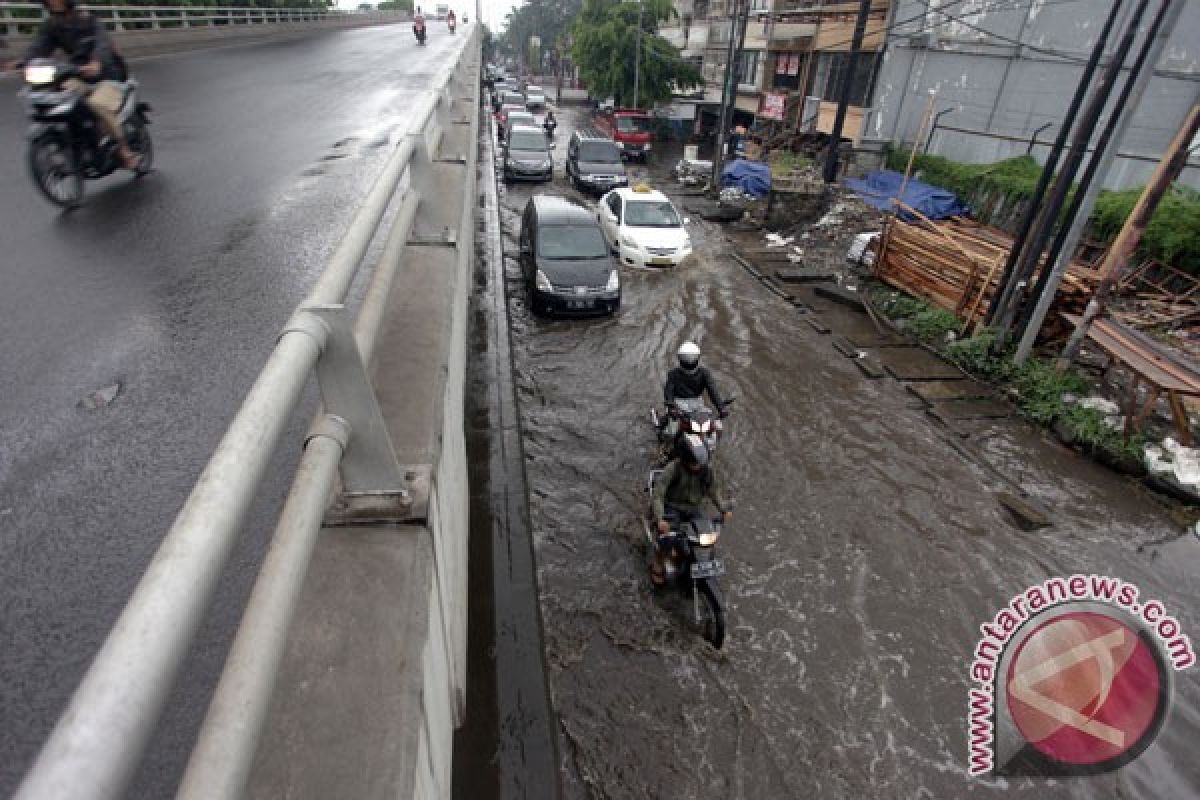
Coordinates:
(921, 319)
(785, 161)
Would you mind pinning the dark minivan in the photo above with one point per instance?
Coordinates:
(565, 259)
(594, 162)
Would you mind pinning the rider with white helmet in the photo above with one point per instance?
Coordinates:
(690, 380)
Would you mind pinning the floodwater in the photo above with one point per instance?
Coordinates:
(864, 554)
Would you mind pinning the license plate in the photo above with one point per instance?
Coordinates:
(661, 261)
(708, 569)
(579, 304)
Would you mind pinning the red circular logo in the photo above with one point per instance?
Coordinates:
(1085, 688)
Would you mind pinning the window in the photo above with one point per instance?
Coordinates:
(614, 204)
(633, 124)
(747, 68)
(527, 140)
(860, 85)
(654, 214)
(599, 153)
(571, 242)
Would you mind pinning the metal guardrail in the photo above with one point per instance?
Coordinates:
(98, 743)
(23, 18)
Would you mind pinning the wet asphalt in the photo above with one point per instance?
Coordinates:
(866, 550)
(173, 289)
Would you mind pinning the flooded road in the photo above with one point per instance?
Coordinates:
(864, 554)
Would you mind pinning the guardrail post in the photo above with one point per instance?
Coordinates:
(374, 486)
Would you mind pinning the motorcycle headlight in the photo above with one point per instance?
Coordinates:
(614, 282)
(40, 74)
(709, 538)
(647, 146)
(542, 282)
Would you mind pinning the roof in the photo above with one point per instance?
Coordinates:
(632, 193)
(593, 133)
(556, 210)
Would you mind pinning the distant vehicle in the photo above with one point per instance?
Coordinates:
(514, 119)
(441, 10)
(594, 162)
(535, 97)
(643, 227)
(630, 128)
(565, 260)
(527, 155)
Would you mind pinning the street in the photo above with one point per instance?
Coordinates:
(164, 296)
(864, 554)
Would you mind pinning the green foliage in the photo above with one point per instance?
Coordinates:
(396, 5)
(785, 161)
(977, 357)
(1173, 235)
(549, 20)
(605, 49)
(925, 321)
(1015, 177)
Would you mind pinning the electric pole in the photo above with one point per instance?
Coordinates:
(835, 138)
(737, 34)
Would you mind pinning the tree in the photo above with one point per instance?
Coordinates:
(605, 51)
(395, 5)
(549, 20)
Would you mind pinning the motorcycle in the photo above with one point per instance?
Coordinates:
(693, 416)
(691, 566)
(419, 32)
(66, 143)
(451, 25)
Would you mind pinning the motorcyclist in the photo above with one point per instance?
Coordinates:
(419, 24)
(451, 20)
(83, 38)
(549, 123)
(680, 491)
(689, 380)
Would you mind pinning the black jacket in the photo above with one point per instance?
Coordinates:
(681, 383)
(83, 38)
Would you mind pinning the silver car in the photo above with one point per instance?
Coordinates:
(535, 97)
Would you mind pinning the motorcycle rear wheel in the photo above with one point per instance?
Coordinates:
(56, 172)
(712, 617)
(138, 136)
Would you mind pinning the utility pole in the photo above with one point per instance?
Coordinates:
(737, 35)
(1168, 170)
(637, 58)
(1097, 171)
(1032, 254)
(1008, 279)
(835, 138)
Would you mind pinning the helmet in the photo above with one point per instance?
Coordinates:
(68, 5)
(689, 356)
(693, 450)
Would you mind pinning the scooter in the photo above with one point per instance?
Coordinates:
(691, 566)
(691, 415)
(66, 143)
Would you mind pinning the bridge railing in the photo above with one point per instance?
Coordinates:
(22, 19)
(97, 745)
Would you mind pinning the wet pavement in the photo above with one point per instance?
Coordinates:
(865, 552)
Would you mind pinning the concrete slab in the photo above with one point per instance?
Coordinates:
(971, 409)
(936, 391)
(869, 367)
(805, 275)
(844, 347)
(915, 364)
(818, 326)
(1028, 514)
(866, 339)
(841, 296)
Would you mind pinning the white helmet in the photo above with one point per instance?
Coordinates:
(689, 356)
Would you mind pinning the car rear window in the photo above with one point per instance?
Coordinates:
(599, 152)
(527, 140)
(633, 124)
(571, 241)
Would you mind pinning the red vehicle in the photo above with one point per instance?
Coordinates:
(630, 128)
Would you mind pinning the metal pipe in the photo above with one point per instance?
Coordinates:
(1063, 249)
(98, 743)
(1033, 139)
(936, 119)
(1008, 282)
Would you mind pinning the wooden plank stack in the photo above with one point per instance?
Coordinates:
(957, 264)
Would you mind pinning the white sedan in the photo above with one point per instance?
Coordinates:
(535, 97)
(643, 228)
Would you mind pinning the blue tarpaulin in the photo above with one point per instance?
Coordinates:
(752, 177)
(879, 188)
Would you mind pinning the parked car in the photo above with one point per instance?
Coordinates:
(565, 259)
(502, 117)
(631, 128)
(594, 162)
(514, 118)
(643, 228)
(507, 95)
(535, 97)
(527, 155)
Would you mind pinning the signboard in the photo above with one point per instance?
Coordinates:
(773, 105)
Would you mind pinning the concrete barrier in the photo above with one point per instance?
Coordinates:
(373, 681)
